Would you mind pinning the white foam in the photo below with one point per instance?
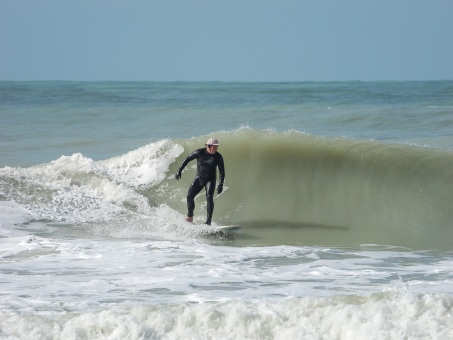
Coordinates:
(378, 316)
(13, 246)
(76, 189)
(161, 222)
(143, 167)
(127, 289)
(11, 214)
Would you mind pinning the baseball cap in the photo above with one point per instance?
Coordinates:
(212, 141)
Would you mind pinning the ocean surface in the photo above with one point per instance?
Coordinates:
(343, 192)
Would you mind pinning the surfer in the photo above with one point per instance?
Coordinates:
(208, 159)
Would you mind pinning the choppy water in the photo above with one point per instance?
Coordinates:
(343, 193)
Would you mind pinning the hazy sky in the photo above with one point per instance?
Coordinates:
(226, 40)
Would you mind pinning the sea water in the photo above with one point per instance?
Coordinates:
(342, 191)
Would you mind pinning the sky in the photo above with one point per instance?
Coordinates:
(226, 40)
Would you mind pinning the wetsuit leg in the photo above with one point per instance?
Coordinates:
(194, 190)
(210, 188)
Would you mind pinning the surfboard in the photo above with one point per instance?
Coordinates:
(223, 229)
(228, 227)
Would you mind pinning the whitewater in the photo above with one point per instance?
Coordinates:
(342, 192)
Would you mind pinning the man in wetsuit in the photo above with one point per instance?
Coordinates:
(208, 159)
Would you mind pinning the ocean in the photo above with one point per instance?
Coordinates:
(343, 193)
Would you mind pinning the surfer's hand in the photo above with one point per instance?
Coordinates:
(220, 188)
(178, 175)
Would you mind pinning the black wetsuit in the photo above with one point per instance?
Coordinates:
(206, 177)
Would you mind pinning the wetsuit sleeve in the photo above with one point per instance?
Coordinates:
(189, 158)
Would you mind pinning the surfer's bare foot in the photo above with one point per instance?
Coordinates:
(189, 219)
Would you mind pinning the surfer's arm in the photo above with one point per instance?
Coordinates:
(189, 158)
(221, 175)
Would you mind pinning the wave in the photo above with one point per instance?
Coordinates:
(332, 190)
(281, 187)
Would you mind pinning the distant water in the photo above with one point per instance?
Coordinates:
(343, 193)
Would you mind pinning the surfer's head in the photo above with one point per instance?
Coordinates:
(212, 145)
